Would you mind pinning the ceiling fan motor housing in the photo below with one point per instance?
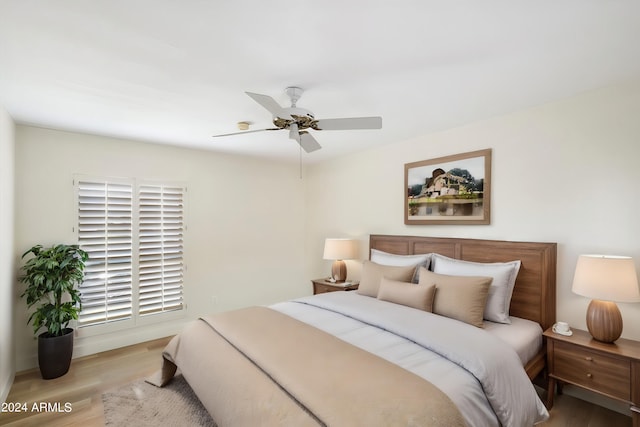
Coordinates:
(303, 118)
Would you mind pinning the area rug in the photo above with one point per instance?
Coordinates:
(142, 404)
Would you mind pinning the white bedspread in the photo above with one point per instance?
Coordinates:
(479, 372)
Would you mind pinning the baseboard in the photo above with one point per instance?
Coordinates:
(5, 387)
(91, 345)
(85, 346)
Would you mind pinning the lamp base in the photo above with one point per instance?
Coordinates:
(604, 320)
(339, 271)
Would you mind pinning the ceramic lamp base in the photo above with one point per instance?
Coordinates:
(604, 320)
(339, 271)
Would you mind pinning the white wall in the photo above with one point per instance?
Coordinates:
(7, 269)
(245, 217)
(566, 172)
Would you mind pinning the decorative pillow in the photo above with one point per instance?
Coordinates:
(386, 258)
(458, 297)
(373, 273)
(409, 294)
(504, 279)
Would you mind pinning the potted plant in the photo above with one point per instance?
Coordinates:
(51, 276)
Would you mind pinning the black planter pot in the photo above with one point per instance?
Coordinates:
(54, 354)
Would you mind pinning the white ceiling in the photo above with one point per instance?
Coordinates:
(175, 71)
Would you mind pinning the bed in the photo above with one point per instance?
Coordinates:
(370, 357)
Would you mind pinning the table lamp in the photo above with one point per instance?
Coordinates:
(607, 279)
(338, 250)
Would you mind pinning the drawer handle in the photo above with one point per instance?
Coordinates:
(588, 359)
(589, 375)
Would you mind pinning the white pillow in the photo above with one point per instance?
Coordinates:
(386, 258)
(504, 279)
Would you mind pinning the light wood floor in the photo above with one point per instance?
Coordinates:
(82, 386)
(90, 376)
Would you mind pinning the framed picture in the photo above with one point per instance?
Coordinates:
(448, 190)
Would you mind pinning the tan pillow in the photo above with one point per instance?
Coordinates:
(409, 294)
(372, 273)
(458, 297)
(504, 278)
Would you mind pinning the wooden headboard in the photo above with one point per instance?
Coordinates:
(534, 295)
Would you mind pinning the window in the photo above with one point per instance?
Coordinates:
(134, 235)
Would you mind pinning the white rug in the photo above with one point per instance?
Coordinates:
(141, 404)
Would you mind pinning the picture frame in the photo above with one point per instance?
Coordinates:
(454, 189)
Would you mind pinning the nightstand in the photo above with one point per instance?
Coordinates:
(612, 370)
(321, 286)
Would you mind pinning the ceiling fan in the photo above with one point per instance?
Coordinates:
(298, 121)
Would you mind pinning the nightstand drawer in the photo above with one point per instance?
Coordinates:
(593, 370)
(322, 289)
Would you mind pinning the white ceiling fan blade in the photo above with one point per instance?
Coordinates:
(293, 132)
(350, 123)
(270, 104)
(245, 131)
(308, 142)
(305, 139)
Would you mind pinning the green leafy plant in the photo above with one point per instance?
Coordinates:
(51, 276)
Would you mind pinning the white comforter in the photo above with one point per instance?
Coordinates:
(480, 373)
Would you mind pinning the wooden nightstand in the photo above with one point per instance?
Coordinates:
(612, 370)
(321, 286)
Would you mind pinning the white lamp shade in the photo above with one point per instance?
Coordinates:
(339, 249)
(606, 278)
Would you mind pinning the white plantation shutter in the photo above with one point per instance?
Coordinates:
(134, 236)
(105, 232)
(161, 232)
